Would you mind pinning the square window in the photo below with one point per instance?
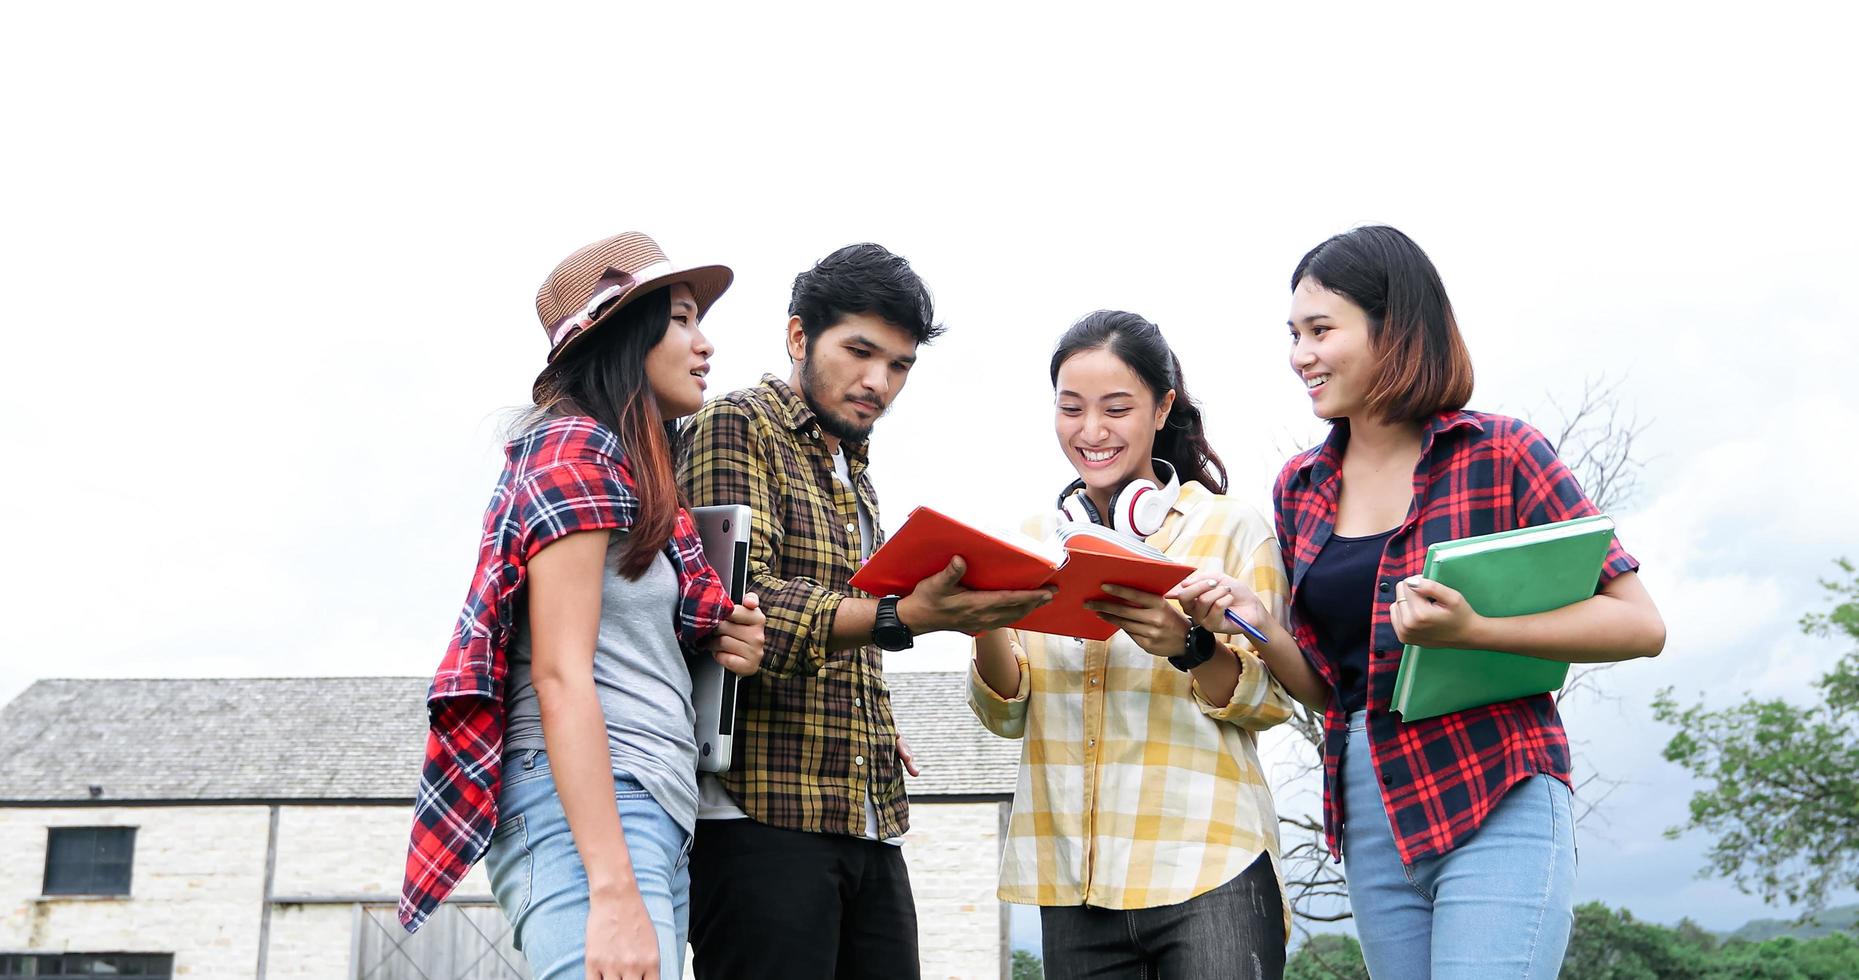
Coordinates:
(89, 860)
(31, 966)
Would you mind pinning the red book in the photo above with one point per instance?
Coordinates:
(1085, 559)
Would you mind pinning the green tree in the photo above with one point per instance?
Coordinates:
(1782, 780)
(1830, 956)
(1610, 945)
(1327, 956)
(1834, 957)
(1026, 966)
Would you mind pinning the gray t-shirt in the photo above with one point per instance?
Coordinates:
(644, 687)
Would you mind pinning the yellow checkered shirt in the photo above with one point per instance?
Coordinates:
(1134, 791)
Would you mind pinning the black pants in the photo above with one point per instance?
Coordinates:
(772, 903)
(1237, 930)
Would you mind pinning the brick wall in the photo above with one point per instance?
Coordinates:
(954, 854)
(196, 888)
(198, 881)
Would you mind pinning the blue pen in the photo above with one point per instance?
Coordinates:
(1247, 628)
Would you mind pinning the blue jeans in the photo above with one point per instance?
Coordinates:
(539, 882)
(1500, 905)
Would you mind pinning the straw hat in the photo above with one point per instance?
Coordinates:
(598, 280)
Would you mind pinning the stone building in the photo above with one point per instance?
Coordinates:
(210, 828)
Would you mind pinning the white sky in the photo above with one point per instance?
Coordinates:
(268, 278)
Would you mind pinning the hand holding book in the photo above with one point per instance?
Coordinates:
(942, 602)
(1426, 613)
(1062, 575)
(1145, 617)
(1446, 617)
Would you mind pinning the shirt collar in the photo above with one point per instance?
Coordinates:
(1190, 499)
(1327, 458)
(794, 410)
(1192, 495)
(1446, 422)
(801, 419)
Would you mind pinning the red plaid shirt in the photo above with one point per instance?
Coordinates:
(567, 475)
(1441, 776)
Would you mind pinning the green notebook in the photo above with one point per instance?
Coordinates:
(1511, 573)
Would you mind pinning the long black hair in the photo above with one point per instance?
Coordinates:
(603, 377)
(1182, 442)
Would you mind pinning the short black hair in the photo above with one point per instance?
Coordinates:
(1422, 366)
(864, 278)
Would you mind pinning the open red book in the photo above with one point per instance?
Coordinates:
(1084, 560)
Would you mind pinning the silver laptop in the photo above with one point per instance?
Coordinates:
(725, 530)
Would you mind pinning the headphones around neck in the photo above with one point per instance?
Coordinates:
(1137, 508)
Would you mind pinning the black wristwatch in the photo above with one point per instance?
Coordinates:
(887, 630)
(1200, 649)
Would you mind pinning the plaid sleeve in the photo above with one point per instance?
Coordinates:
(1544, 491)
(571, 496)
(703, 601)
(590, 494)
(1259, 701)
(1005, 717)
(456, 807)
(722, 463)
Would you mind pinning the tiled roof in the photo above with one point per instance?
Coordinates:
(957, 755)
(340, 739)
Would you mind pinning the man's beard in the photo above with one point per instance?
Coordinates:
(834, 424)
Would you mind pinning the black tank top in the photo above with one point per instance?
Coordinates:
(1337, 598)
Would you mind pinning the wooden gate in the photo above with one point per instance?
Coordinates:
(459, 942)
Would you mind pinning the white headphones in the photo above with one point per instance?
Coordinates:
(1138, 508)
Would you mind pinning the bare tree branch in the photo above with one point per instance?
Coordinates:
(1589, 803)
(1586, 679)
(1597, 438)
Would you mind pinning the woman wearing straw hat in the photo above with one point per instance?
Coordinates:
(562, 714)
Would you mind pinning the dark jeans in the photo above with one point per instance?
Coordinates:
(775, 903)
(1236, 930)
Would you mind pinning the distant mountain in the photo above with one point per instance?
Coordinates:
(1840, 918)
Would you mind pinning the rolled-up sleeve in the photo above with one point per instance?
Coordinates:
(569, 497)
(1259, 701)
(1545, 491)
(1005, 717)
